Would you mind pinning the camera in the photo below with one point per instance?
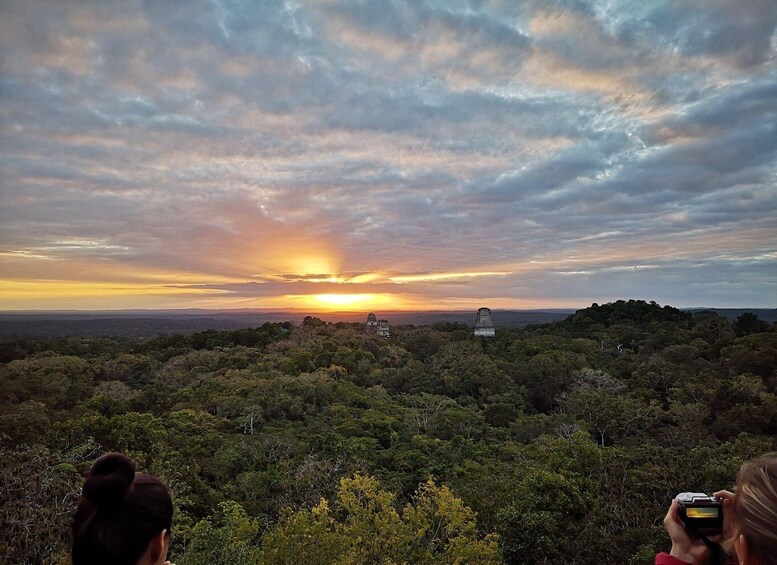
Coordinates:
(700, 513)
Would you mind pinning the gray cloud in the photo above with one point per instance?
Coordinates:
(741, 32)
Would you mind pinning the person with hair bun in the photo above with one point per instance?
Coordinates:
(123, 518)
(749, 520)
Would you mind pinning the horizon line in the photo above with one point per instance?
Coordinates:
(260, 310)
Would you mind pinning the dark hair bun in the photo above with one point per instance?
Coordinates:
(108, 481)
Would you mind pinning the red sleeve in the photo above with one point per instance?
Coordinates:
(666, 559)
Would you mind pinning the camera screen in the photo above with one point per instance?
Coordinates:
(701, 512)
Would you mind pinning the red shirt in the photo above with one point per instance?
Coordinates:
(666, 559)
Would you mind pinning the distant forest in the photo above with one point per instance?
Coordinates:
(147, 323)
(318, 443)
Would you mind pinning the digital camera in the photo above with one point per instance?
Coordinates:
(700, 512)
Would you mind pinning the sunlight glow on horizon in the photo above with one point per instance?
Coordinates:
(155, 289)
(348, 302)
(77, 289)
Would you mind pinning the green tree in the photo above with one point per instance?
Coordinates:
(538, 524)
(229, 537)
(40, 488)
(365, 525)
(599, 400)
(749, 323)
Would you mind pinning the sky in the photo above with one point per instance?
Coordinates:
(387, 155)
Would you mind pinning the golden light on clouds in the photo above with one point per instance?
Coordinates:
(312, 265)
(83, 295)
(432, 277)
(364, 278)
(299, 253)
(37, 289)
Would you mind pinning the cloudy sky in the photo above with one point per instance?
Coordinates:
(385, 154)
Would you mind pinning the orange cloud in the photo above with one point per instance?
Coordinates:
(432, 277)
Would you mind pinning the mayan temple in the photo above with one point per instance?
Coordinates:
(372, 323)
(383, 328)
(483, 324)
(375, 326)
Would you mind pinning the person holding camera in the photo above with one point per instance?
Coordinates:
(749, 520)
(123, 518)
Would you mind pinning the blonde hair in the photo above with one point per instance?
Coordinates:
(755, 508)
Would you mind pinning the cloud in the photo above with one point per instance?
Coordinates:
(281, 148)
(738, 33)
(425, 41)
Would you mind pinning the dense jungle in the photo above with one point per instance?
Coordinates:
(318, 443)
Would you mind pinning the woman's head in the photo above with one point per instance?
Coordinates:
(121, 512)
(755, 509)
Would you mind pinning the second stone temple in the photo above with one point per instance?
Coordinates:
(484, 326)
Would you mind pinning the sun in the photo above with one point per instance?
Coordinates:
(348, 301)
(337, 299)
(340, 302)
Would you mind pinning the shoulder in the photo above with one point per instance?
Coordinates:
(666, 559)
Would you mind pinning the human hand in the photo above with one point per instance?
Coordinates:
(684, 547)
(729, 519)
